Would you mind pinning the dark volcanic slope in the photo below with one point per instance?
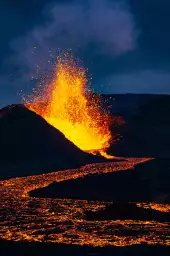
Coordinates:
(9, 248)
(27, 141)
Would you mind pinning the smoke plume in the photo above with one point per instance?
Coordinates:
(105, 26)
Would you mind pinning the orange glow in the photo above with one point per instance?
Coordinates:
(63, 221)
(72, 108)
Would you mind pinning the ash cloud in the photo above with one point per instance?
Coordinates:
(107, 24)
(79, 23)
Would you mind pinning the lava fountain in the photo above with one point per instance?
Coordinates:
(72, 108)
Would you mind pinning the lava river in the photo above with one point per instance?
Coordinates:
(25, 218)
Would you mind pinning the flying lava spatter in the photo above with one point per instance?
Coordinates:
(72, 108)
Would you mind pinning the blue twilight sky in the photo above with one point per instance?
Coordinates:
(124, 43)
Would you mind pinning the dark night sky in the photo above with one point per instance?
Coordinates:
(125, 43)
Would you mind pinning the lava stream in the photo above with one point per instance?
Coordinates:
(29, 219)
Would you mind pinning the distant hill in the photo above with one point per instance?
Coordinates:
(29, 145)
(146, 132)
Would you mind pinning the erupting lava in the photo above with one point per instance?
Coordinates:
(70, 107)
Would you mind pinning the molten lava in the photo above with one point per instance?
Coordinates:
(72, 108)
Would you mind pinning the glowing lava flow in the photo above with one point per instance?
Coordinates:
(25, 218)
(72, 108)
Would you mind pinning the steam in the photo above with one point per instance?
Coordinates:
(105, 24)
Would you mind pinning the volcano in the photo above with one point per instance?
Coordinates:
(29, 145)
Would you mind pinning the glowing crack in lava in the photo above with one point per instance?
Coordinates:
(70, 107)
